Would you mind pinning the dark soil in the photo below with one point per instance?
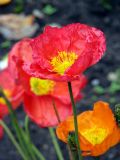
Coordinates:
(95, 14)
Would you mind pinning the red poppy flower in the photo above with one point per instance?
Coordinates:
(62, 54)
(39, 97)
(13, 92)
(41, 92)
(97, 130)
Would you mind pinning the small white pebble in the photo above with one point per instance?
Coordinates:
(112, 76)
(95, 82)
(38, 13)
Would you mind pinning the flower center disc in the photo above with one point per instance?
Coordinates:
(41, 87)
(95, 135)
(63, 61)
(7, 94)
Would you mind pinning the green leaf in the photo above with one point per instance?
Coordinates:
(49, 9)
(113, 88)
(5, 44)
(99, 89)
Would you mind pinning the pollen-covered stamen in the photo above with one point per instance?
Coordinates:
(63, 61)
(41, 87)
(7, 94)
(95, 135)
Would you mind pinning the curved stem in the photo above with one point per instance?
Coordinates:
(28, 144)
(75, 120)
(25, 141)
(15, 125)
(37, 152)
(13, 139)
(56, 111)
(56, 145)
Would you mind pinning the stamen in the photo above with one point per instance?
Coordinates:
(41, 87)
(63, 61)
(95, 135)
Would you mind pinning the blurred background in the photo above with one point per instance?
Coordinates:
(27, 18)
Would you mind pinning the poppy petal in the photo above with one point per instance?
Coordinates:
(14, 91)
(40, 110)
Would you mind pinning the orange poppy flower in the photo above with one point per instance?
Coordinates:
(13, 92)
(97, 130)
(40, 93)
(62, 54)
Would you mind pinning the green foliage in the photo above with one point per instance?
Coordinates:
(112, 100)
(19, 7)
(99, 90)
(72, 145)
(106, 4)
(117, 113)
(94, 98)
(49, 10)
(114, 87)
(115, 84)
(71, 141)
(5, 44)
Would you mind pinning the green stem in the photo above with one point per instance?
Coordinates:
(27, 127)
(10, 135)
(37, 152)
(18, 130)
(27, 137)
(25, 141)
(33, 147)
(28, 144)
(75, 120)
(56, 145)
(58, 118)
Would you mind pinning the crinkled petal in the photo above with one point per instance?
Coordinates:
(85, 41)
(40, 110)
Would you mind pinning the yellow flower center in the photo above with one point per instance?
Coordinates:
(41, 87)
(63, 61)
(7, 94)
(95, 135)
